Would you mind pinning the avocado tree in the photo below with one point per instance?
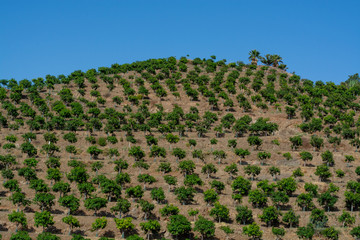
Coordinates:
(122, 206)
(19, 218)
(306, 232)
(244, 215)
(95, 204)
(208, 169)
(205, 227)
(179, 226)
(44, 219)
(252, 170)
(71, 202)
(262, 156)
(255, 141)
(296, 142)
(306, 156)
(151, 226)
(253, 231)
(124, 225)
(220, 212)
(290, 218)
(100, 223)
(72, 221)
(242, 153)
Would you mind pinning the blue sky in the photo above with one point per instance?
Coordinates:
(319, 40)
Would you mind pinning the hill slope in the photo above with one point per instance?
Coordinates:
(185, 118)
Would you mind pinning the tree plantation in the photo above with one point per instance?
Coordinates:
(180, 149)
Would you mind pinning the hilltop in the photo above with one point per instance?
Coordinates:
(167, 137)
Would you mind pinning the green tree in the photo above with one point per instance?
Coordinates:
(54, 174)
(72, 221)
(151, 226)
(255, 141)
(100, 223)
(254, 55)
(306, 232)
(122, 206)
(349, 159)
(169, 210)
(124, 225)
(120, 165)
(257, 198)
(19, 199)
(70, 202)
(318, 218)
(278, 232)
(279, 197)
(346, 219)
(330, 233)
(241, 185)
(244, 215)
(296, 142)
(306, 156)
(44, 200)
(178, 226)
(94, 151)
(253, 231)
(252, 170)
(210, 196)
(288, 185)
(355, 232)
(47, 236)
(305, 201)
(137, 153)
(274, 171)
(19, 218)
(327, 200)
(242, 153)
(61, 187)
(185, 195)
(323, 172)
(231, 170)
(220, 212)
(78, 175)
(208, 169)
(21, 235)
(95, 204)
(146, 179)
(157, 194)
(135, 192)
(44, 219)
(146, 207)
(327, 158)
(205, 227)
(316, 142)
(290, 218)
(187, 167)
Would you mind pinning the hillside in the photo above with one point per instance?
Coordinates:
(117, 136)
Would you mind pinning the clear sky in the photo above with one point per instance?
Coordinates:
(318, 39)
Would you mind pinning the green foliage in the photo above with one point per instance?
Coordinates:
(244, 215)
(241, 185)
(306, 232)
(205, 227)
(178, 226)
(253, 231)
(44, 219)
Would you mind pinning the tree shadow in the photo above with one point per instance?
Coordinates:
(3, 228)
(54, 230)
(78, 231)
(28, 209)
(109, 234)
(56, 211)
